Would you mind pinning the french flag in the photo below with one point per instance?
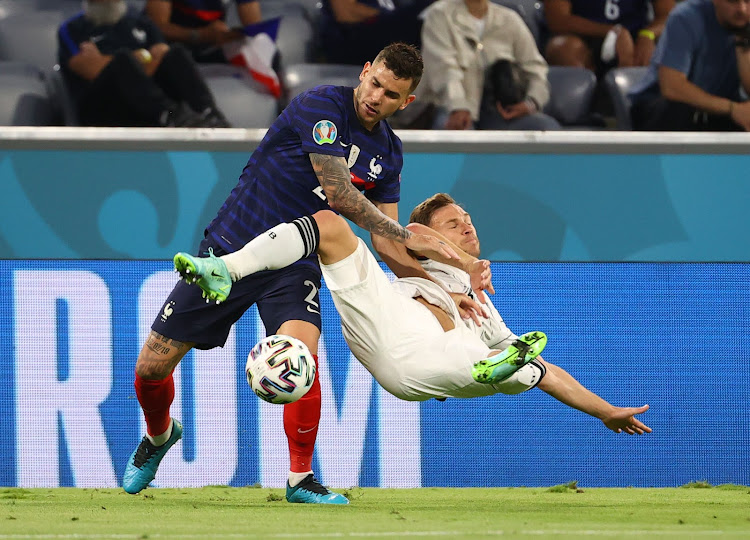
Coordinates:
(256, 52)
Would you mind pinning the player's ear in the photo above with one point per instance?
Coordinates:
(365, 70)
(408, 100)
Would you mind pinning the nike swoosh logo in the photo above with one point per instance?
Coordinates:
(215, 274)
(305, 430)
(311, 310)
(344, 145)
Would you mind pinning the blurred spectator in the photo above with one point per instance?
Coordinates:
(694, 80)
(482, 68)
(121, 73)
(599, 34)
(354, 32)
(201, 24)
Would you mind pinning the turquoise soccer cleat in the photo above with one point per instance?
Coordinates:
(143, 463)
(313, 492)
(501, 366)
(209, 273)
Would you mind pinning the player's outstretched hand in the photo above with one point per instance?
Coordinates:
(468, 308)
(431, 247)
(481, 278)
(623, 420)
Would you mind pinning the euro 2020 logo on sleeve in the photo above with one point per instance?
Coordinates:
(324, 132)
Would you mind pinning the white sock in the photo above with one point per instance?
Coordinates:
(158, 440)
(276, 248)
(297, 477)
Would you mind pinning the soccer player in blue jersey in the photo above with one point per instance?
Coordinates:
(326, 148)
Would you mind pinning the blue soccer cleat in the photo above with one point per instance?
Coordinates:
(144, 462)
(501, 366)
(313, 492)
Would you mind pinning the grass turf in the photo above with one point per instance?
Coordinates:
(565, 511)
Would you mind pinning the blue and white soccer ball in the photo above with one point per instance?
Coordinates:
(280, 369)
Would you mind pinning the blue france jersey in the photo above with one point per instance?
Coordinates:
(632, 14)
(278, 183)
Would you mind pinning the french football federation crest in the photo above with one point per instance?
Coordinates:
(324, 132)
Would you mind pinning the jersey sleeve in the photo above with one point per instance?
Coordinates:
(677, 45)
(67, 43)
(318, 120)
(153, 34)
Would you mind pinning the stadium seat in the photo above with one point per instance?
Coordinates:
(618, 82)
(532, 13)
(61, 98)
(312, 7)
(571, 95)
(30, 36)
(300, 77)
(240, 98)
(24, 96)
(9, 7)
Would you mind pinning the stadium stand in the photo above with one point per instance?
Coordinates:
(30, 36)
(618, 82)
(300, 77)
(571, 95)
(24, 96)
(241, 99)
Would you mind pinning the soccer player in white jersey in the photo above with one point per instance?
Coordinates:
(441, 214)
(409, 334)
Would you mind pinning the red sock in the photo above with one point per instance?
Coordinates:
(301, 420)
(155, 398)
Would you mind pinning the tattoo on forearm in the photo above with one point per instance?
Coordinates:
(335, 178)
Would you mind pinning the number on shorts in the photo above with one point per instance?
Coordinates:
(312, 305)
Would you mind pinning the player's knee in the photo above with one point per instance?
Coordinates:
(328, 220)
(524, 379)
(332, 226)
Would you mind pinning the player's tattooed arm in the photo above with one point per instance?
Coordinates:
(333, 175)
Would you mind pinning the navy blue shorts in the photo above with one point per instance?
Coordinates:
(288, 294)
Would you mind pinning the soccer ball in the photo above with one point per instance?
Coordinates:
(280, 369)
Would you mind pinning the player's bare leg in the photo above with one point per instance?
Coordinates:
(155, 390)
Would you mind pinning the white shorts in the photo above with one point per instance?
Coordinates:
(399, 340)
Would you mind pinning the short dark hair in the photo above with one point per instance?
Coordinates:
(404, 61)
(424, 211)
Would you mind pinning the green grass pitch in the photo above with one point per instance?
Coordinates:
(224, 512)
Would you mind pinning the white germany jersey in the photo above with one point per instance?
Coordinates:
(493, 331)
